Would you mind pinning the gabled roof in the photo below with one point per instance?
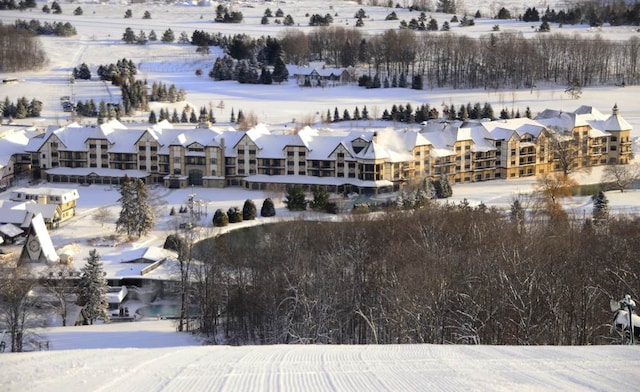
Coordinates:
(15, 213)
(14, 141)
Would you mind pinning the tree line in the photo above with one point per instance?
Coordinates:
(441, 274)
(60, 29)
(22, 108)
(447, 60)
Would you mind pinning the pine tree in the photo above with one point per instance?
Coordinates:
(233, 117)
(92, 289)
(144, 217)
(320, 199)
(268, 209)
(249, 210)
(356, 114)
(152, 117)
(295, 199)
(168, 36)
(365, 113)
(280, 72)
(445, 187)
(126, 223)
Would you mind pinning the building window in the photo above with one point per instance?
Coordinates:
(614, 138)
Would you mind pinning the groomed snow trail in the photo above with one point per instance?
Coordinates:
(326, 368)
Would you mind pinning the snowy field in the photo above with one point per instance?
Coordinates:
(102, 25)
(150, 355)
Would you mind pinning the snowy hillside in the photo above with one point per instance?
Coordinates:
(177, 367)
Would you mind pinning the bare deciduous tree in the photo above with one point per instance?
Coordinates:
(59, 281)
(18, 308)
(103, 215)
(622, 176)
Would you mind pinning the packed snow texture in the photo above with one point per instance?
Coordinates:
(130, 360)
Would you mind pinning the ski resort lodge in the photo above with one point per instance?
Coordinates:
(342, 160)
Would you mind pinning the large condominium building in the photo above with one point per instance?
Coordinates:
(342, 160)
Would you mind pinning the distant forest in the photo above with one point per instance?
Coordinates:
(447, 59)
(440, 274)
(19, 50)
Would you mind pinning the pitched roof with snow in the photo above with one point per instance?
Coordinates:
(14, 141)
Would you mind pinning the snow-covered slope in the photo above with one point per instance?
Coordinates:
(179, 367)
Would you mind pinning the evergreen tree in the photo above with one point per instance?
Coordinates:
(136, 216)
(320, 199)
(233, 117)
(126, 222)
(147, 15)
(336, 115)
(280, 73)
(168, 36)
(220, 218)
(240, 118)
(234, 214)
(144, 214)
(183, 117)
(365, 113)
(153, 36)
(128, 14)
(442, 188)
(416, 82)
(152, 117)
(129, 36)
(356, 114)
(92, 289)
(600, 208)
(295, 199)
(268, 209)
(55, 7)
(193, 118)
(249, 210)
(445, 187)
(265, 76)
